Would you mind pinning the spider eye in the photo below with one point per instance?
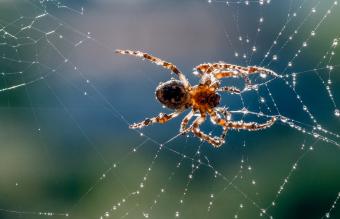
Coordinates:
(172, 94)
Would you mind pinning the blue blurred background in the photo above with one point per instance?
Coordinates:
(65, 142)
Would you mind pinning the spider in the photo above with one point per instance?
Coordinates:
(203, 99)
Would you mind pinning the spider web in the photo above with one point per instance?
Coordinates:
(67, 101)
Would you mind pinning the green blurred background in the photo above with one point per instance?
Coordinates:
(65, 142)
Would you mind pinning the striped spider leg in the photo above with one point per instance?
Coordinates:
(161, 118)
(226, 124)
(157, 61)
(223, 70)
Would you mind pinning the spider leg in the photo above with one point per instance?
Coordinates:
(185, 122)
(226, 123)
(157, 61)
(224, 111)
(222, 70)
(239, 71)
(228, 74)
(214, 141)
(161, 118)
(232, 90)
(210, 67)
(215, 118)
(261, 70)
(250, 126)
(225, 70)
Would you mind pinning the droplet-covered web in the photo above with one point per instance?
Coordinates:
(176, 175)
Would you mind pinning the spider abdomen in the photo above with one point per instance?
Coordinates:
(172, 94)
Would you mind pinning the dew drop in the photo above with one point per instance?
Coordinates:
(177, 214)
(335, 42)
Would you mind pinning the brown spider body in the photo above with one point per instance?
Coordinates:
(203, 99)
(174, 95)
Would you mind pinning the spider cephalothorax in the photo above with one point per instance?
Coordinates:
(203, 99)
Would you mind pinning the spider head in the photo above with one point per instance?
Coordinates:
(172, 94)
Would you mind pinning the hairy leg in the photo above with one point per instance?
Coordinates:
(161, 118)
(185, 122)
(224, 111)
(226, 123)
(214, 141)
(157, 61)
(250, 126)
(221, 122)
(232, 90)
(222, 69)
(210, 67)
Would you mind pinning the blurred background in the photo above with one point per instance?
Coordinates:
(66, 101)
